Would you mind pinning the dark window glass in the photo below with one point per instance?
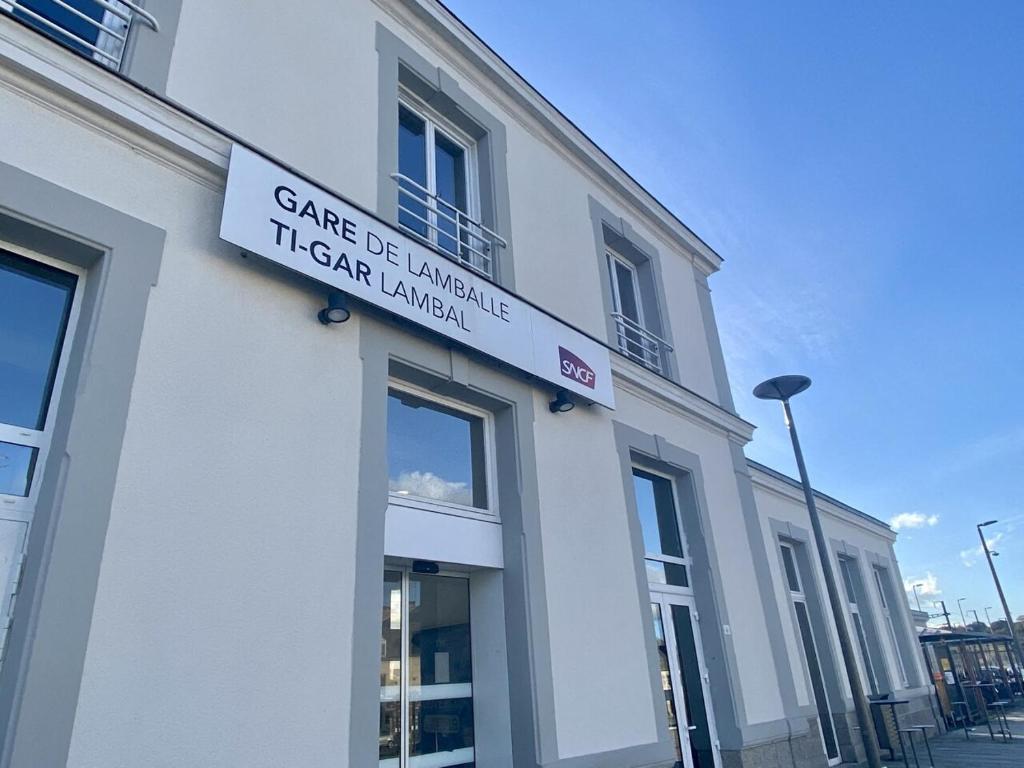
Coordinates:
(435, 452)
(75, 27)
(412, 162)
(450, 178)
(817, 684)
(440, 666)
(17, 465)
(701, 746)
(846, 566)
(792, 579)
(627, 292)
(666, 680)
(660, 526)
(35, 301)
(863, 643)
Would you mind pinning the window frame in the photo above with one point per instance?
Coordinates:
(41, 439)
(887, 616)
(685, 561)
(857, 620)
(433, 121)
(615, 258)
(490, 513)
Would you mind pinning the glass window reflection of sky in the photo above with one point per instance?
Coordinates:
(435, 452)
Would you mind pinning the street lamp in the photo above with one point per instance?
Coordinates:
(782, 388)
(960, 605)
(999, 589)
(917, 596)
(988, 619)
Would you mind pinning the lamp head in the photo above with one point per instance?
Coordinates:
(562, 403)
(336, 311)
(781, 387)
(987, 522)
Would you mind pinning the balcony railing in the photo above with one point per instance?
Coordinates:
(97, 28)
(639, 344)
(441, 224)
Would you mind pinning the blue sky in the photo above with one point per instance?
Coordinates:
(860, 167)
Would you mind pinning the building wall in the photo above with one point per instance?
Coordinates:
(226, 610)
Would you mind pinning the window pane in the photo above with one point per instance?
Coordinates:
(666, 679)
(659, 572)
(390, 740)
(440, 668)
(450, 177)
(435, 452)
(412, 162)
(846, 567)
(657, 510)
(627, 292)
(701, 746)
(792, 577)
(34, 304)
(17, 465)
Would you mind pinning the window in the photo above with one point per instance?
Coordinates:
(426, 672)
(633, 334)
(881, 580)
(665, 557)
(438, 453)
(38, 303)
(96, 28)
(848, 568)
(438, 187)
(810, 651)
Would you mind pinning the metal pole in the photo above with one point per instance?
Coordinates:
(960, 605)
(988, 619)
(945, 613)
(917, 597)
(976, 619)
(1002, 597)
(860, 702)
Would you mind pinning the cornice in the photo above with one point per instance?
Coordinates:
(678, 400)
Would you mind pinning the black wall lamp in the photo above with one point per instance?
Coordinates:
(562, 402)
(336, 311)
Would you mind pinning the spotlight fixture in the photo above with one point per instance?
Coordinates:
(562, 402)
(336, 310)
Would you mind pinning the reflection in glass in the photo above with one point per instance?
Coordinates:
(412, 162)
(71, 29)
(666, 679)
(435, 452)
(440, 667)
(35, 301)
(450, 179)
(17, 465)
(659, 523)
(390, 741)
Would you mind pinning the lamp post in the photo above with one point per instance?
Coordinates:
(917, 596)
(976, 619)
(988, 619)
(960, 605)
(999, 589)
(782, 388)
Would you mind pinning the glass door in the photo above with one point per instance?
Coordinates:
(426, 675)
(684, 680)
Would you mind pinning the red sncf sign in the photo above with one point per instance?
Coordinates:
(574, 368)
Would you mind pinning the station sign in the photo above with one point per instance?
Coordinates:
(271, 212)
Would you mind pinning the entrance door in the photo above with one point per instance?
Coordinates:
(684, 680)
(426, 675)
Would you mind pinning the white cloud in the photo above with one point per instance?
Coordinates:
(906, 520)
(970, 556)
(928, 585)
(427, 485)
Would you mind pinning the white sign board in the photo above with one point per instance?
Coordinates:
(280, 216)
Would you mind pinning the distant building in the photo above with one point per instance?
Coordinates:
(292, 302)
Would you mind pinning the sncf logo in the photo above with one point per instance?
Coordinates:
(574, 368)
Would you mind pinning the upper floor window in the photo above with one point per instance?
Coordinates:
(438, 453)
(96, 28)
(439, 188)
(664, 553)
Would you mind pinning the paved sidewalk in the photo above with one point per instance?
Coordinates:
(953, 750)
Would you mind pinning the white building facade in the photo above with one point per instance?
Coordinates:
(237, 531)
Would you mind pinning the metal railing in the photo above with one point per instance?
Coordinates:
(97, 28)
(441, 224)
(639, 344)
